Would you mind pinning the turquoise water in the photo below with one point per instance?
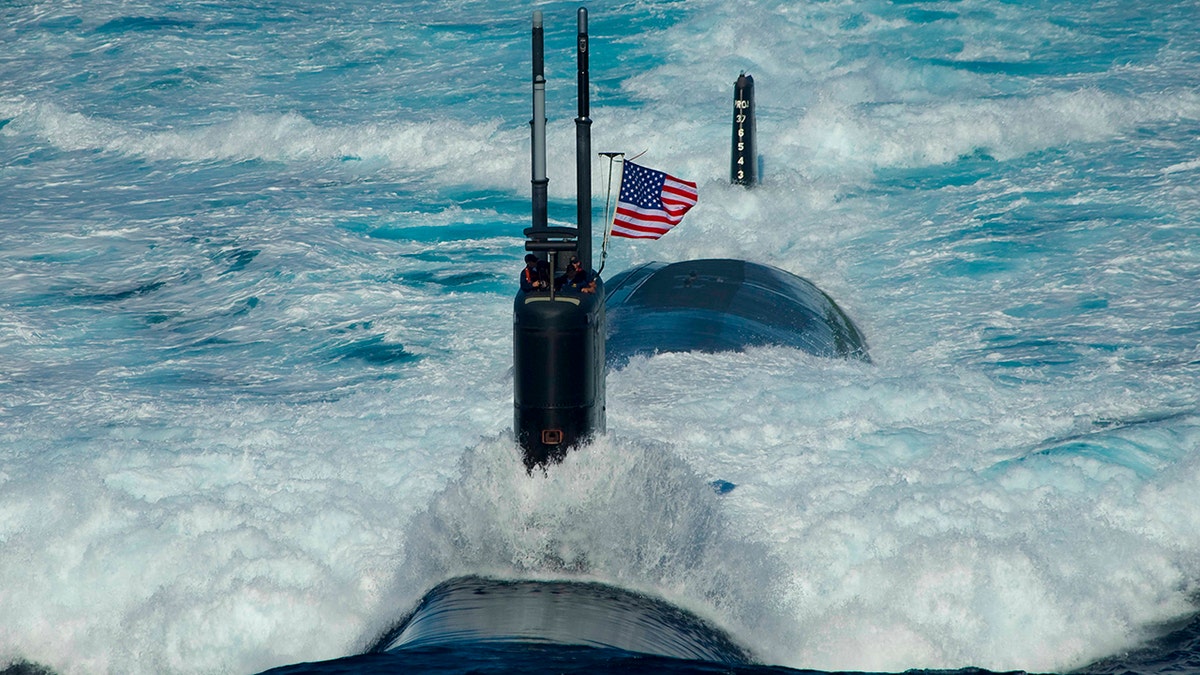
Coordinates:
(255, 276)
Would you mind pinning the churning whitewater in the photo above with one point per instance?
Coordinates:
(256, 280)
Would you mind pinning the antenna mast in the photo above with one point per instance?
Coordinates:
(583, 152)
(538, 125)
(743, 163)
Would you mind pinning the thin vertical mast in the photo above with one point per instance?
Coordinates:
(743, 164)
(538, 124)
(583, 151)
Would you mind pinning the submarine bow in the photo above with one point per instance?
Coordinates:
(475, 624)
(589, 614)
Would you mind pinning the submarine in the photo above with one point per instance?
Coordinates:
(564, 342)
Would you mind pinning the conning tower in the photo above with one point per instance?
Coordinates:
(558, 334)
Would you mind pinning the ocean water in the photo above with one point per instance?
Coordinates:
(256, 270)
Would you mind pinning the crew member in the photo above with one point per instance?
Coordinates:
(568, 274)
(531, 280)
(581, 281)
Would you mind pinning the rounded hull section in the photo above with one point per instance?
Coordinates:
(475, 610)
(715, 305)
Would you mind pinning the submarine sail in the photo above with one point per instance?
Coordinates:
(558, 326)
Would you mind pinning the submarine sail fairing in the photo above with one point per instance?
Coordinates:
(558, 333)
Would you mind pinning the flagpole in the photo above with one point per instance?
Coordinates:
(612, 157)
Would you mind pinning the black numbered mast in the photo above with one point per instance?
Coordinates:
(743, 165)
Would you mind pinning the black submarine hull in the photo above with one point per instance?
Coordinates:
(714, 305)
(588, 614)
(482, 625)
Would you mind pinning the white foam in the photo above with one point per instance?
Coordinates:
(904, 545)
(457, 152)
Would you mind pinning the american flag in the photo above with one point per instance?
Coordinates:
(651, 202)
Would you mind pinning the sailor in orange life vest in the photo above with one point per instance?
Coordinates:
(531, 279)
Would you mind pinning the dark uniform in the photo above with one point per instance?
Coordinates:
(530, 278)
